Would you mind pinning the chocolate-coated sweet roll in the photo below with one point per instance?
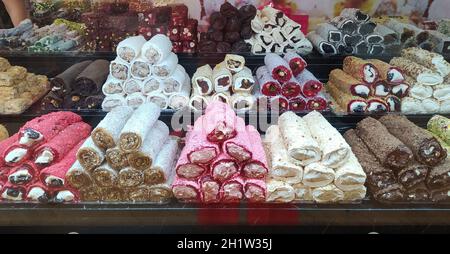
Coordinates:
(91, 79)
(247, 12)
(240, 46)
(64, 81)
(418, 193)
(223, 47)
(439, 176)
(414, 174)
(228, 10)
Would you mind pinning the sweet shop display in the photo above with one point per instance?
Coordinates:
(403, 162)
(78, 88)
(367, 86)
(286, 84)
(146, 71)
(19, 89)
(129, 157)
(35, 160)
(428, 73)
(223, 160)
(309, 161)
(229, 29)
(274, 32)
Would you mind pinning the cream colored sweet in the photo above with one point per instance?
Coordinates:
(16, 155)
(46, 157)
(317, 175)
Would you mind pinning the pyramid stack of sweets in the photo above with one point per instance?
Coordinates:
(34, 161)
(429, 76)
(146, 71)
(310, 161)
(403, 162)
(173, 21)
(79, 87)
(129, 156)
(223, 160)
(286, 84)
(230, 82)
(19, 89)
(275, 32)
(352, 32)
(228, 29)
(367, 86)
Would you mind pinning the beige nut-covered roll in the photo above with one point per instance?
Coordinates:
(90, 155)
(350, 176)
(163, 167)
(106, 134)
(431, 60)
(419, 72)
(105, 176)
(334, 148)
(298, 139)
(281, 164)
(279, 192)
(130, 177)
(202, 80)
(117, 158)
(222, 78)
(137, 127)
(317, 175)
(327, 194)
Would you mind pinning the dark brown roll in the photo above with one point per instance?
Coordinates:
(223, 47)
(426, 148)
(219, 23)
(389, 150)
(52, 101)
(247, 12)
(228, 10)
(73, 101)
(91, 79)
(246, 32)
(64, 80)
(413, 175)
(207, 46)
(419, 193)
(439, 176)
(440, 195)
(93, 102)
(233, 24)
(232, 37)
(381, 181)
(241, 46)
(217, 36)
(213, 17)
(204, 36)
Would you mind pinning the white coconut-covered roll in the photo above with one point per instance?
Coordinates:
(159, 99)
(132, 85)
(412, 106)
(90, 155)
(302, 192)
(77, 176)
(327, 194)
(106, 134)
(356, 194)
(140, 68)
(350, 176)
(152, 84)
(112, 101)
(224, 97)
(135, 100)
(431, 105)
(442, 92)
(243, 81)
(234, 63)
(281, 164)
(298, 139)
(420, 92)
(130, 48)
(119, 69)
(175, 81)
(166, 67)
(222, 78)
(242, 101)
(420, 73)
(157, 49)
(322, 45)
(181, 99)
(431, 60)
(317, 175)
(279, 192)
(137, 127)
(334, 148)
(164, 162)
(202, 80)
(112, 86)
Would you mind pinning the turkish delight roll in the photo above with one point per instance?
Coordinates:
(186, 169)
(281, 164)
(224, 168)
(322, 45)
(106, 134)
(38, 192)
(329, 32)
(222, 78)
(414, 174)
(152, 84)
(166, 67)
(119, 69)
(278, 67)
(91, 79)
(209, 189)
(232, 190)
(269, 86)
(130, 48)
(105, 176)
(441, 42)
(46, 127)
(442, 92)
(256, 167)
(143, 158)
(162, 167)
(347, 84)
(112, 86)
(327, 194)
(161, 193)
(140, 68)
(135, 100)
(291, 89)
(298, 139)
(412, 106)
(391, 74)
(430, 60)
(239, 147)
(355, 14)
(57, 148)
(297, 104)
(279, 192)
(77, 176)
(117, 158)
(302, 192)
(16, 154)
(137, 127)
(234, 63)
(350, 176)
(344, 24)
(347, 102)
(440, 126)
(65, 79)
(381, 181)
(159, 99)
(389, 150)
(220, 122)
(199, 150)
(425, 147)
(389, 35)
(362, 70)
(242, 101)
(380, 88)
(90, 193)
(255, 190)
(157, 49)
(376, 105)
(243, 81)
(198, 103)
(202, 80)
(439, 176)
(23, 174)
(440, 195)
(174, 82)
(357, 194)
(310, 85)
(181, 99)
(431, 105)
(89, 155)
(334, 148)
(318, 102)
(186, 190)
(112, 101)
(400, 90)
(11, 192)
(224, 97)
(112, 194)
(393, 103)
(420, 73)
(296, 63)
(317, 175)
(130, 177)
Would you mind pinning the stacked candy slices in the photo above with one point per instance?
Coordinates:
(223, 160)
(310, 161)
(286, 84)
(129, 157)
(367, 86)
(146, 71)
(230, 82)
(35, 160)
